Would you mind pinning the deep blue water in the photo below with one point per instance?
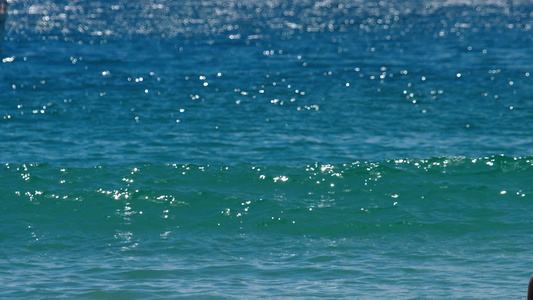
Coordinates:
(281, 149)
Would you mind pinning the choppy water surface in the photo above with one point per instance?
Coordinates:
(281, 148)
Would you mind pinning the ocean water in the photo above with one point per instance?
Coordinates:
(266, 149)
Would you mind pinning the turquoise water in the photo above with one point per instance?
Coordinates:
(286, 149)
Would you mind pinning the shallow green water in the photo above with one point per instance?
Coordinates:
(432, 228)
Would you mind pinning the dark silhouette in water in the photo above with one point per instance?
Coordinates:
(3, 17)
(3, 7)
(530, 289)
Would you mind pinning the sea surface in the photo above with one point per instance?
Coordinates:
(280, 149)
